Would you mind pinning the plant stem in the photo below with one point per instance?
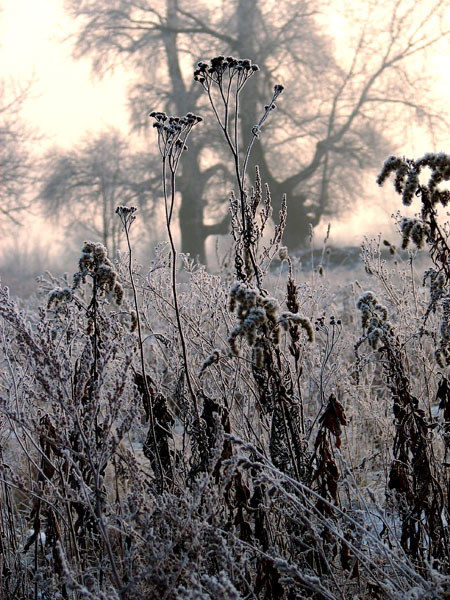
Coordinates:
(174, 275)
(148, 390)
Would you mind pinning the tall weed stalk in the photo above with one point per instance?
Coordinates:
(218, 439)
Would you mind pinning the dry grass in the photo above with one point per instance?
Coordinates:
(256, 433)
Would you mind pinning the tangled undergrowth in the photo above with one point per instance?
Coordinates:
(240, 434)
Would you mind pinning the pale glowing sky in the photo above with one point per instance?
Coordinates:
(67, 103)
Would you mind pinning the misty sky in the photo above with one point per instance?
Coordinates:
(67, 102)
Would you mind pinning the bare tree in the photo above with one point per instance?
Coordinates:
(86, 184)
(16, 168)
(333, 120)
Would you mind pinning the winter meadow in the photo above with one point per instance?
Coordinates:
(271, 428)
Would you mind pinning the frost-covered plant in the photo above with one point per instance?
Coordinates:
(426, 228)
(223, 79)
(68, 416)
(260, 320)
(211, 435)
(173, 133)
(415, 477)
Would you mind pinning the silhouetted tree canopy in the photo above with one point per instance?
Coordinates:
(86, 184)
(343, 101)
(16, 168)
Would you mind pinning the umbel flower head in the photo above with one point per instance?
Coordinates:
(214, 71)
(127, 214)
(173, 132)
(225, 71)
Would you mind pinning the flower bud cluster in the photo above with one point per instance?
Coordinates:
(413, 229)
(218, 65)
(173, 131)
(410, 187)
(402, 169)
(374, 318)
(406, 180)
(439, 164)
(94, 261)
(259, 316)
(253, 311)
(126, 214)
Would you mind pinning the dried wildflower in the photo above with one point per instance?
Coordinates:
(283, 253)
(426, 228)
(134, 321)
(224, 78)
(413, 229)
(94, 262)
(374, 318)
(286, 318)
(255, 318)
(406, 178)
(127, 215)
(214, 72)
(212, 359)
(292, 296)
(58, 296)
(256, 313)
(258, 357)
(173, 133)
(253, 312)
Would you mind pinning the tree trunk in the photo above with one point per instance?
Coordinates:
(191, 186)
